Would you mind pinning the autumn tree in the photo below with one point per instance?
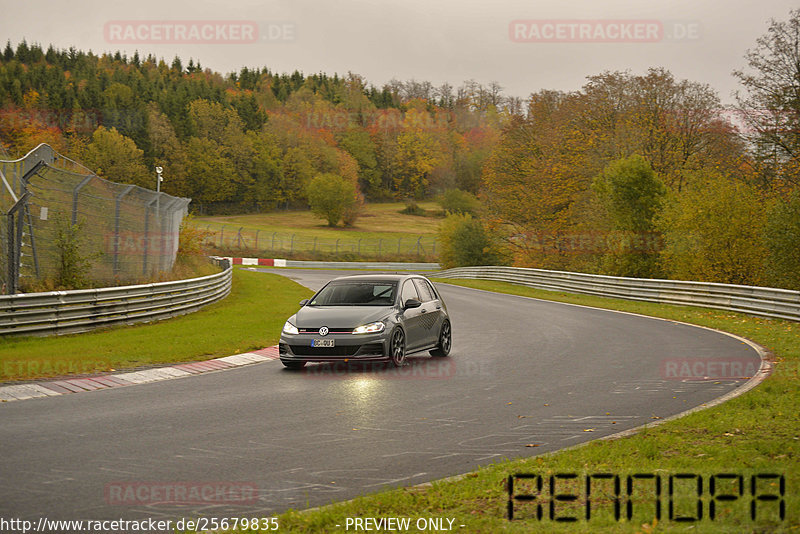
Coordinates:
(535, 178)
(713, 232)
(415, 158)
(632, 195)
(168, 152)
(358, 143)
(331, 197)
(782, 240)
(117, 158)
(464, 241)
(210, 170)
(771, 103)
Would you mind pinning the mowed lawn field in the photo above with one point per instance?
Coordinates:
(378, 221)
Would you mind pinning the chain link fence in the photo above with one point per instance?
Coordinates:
(253, 241)
(56, 211)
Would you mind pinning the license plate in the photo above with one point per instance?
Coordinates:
(322, 342)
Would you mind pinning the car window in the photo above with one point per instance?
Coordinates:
(425, 292)
(434, 294)
(356, 294)
(409, 292)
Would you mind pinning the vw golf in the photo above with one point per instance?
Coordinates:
(372, 317)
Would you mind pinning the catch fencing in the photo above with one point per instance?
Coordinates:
(762, 301)
(258, 242)
(54, 210)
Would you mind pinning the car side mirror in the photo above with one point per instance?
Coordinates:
(412, 303)
(303, 302)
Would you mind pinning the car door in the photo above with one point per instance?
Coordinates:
(431, 312)
(412, 317)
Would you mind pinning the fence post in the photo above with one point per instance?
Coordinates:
(337, 246)
(22, 215)
(291, 247)
(75, 193)
(398, 245)
(380, 242)
(257, 231)
(273, 241)
(14, 247)
(418, 244)
(222, 236)
(359, 246)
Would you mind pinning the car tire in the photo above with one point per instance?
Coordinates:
(445, 341)
(294, 365)
(397, 347)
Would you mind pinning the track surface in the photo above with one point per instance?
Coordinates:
(521, 371)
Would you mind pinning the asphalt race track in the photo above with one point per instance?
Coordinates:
(521, 372)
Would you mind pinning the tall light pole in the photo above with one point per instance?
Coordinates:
(159, 179)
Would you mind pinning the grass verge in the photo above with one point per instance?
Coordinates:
(381, 232)
(383, 220)
(250, 318)
(754, 434)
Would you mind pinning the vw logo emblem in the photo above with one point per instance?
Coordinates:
(323, 331)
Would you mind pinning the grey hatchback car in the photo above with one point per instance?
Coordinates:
(372, 317)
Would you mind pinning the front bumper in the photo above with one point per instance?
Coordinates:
(361, 347)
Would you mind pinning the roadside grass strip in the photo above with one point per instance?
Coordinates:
(248, 320)
(747, 447)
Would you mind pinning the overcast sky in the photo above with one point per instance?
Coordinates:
(435, 40)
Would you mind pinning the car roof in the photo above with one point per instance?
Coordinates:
(376, 276)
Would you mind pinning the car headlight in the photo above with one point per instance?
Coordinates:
(371, 328)
(289, 328)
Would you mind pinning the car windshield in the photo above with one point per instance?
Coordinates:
(362, 293)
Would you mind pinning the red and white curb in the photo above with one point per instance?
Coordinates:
(54, 388)
(256, 261)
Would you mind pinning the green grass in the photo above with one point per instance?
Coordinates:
(250, 318)
(758, 432)
(381, 232)
(378, 221)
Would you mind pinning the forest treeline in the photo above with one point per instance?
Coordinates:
(250, 140)
(631, 174)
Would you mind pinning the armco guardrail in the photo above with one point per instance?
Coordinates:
(68, 312)
(382, 265)
(378, 265)
(763, 301)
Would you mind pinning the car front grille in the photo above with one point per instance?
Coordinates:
(342, 350)
(332, 330)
